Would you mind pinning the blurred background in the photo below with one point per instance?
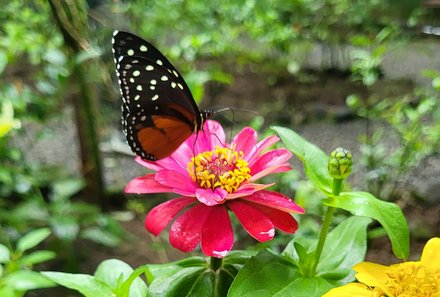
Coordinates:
(364, 75)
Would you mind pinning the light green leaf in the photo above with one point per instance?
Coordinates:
(32, 239)
(114, 272)
(190, 281)
(37, 257)
(64, 227)
(7, 292)
(388, 214)
(345, 246)
(156, 270)
(305, 287)
(313, 158)
(263, 275)
(83, 283)
(25, 280)
(5, 254)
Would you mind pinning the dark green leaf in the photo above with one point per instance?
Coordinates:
(313, 158)
(388, 214)
(83, 283)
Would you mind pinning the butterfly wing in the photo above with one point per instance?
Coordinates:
(158, 110)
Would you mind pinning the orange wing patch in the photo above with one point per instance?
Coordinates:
(163, 139)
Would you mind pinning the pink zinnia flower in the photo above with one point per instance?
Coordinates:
(219, 178)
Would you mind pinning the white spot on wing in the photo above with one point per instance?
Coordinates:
(164, 78)
(143, 48)
(155, 97)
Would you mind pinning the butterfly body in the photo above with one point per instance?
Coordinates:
(158, 110)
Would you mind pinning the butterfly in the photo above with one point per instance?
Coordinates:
(158, 110)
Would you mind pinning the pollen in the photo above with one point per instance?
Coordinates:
(221, 168)
(413, 279)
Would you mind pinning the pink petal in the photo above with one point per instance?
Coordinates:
(180, 183)
(247, 189)
(217, 234)
(283, 168)
(280, 219)
(210, 197)
(253, 220)
(175, 162)
(274, 200)
(182, 156)
(159, 217)
(245, 140)
(212, 135)
(261, 147)
(185, 232)
(269, 170)
(146, 185)
(148, 164)
(273, 158)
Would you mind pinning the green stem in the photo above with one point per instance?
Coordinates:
(337, 186)
(216, 264)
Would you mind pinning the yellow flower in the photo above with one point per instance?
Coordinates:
(408, 279)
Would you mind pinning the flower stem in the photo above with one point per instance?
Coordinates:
(216, 264)
(337, 186)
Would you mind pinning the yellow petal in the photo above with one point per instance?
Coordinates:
(373, 275)
(431, 254)
(350, 290)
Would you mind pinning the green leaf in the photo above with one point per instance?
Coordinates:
(388, 214)
(191, 281)
(32, 239)
(313, 158)
(86, 284)
(157, 270)
(305, 287)
(263, 275)
(5, 254)
(7, 292)
(25, 280)
(114, 272)
(345, 246)
(98, 235)
(238, 257)
(65, 227)
(37, 257)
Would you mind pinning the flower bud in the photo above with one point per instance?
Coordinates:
(339, 164)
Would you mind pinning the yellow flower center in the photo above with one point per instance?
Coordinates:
(221, 168)
(411, 279)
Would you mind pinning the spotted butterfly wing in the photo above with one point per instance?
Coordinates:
(158, 110)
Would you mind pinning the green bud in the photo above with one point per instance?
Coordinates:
(339, 165)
